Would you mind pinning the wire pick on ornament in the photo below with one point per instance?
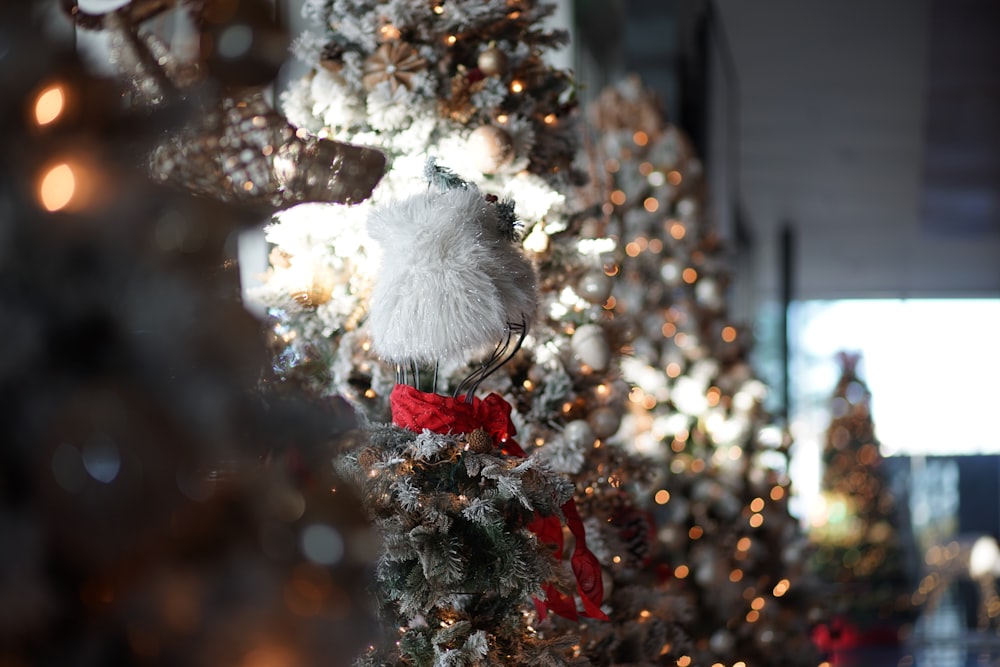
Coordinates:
(502, 353)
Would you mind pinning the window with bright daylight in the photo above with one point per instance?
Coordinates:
(932, 366)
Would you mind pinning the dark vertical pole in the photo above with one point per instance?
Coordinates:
(787, 261)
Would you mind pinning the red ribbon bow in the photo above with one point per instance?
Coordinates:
(416, 410)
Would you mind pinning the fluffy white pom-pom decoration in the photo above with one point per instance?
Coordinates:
(452, 280)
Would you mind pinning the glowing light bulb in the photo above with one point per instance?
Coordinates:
(50, 104)
(57, 186)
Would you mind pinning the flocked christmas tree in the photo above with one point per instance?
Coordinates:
(736, 555)
(461, 82)
(157, 505)
(860, 542)
(458, 92)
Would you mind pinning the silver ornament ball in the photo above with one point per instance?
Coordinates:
(594, 286)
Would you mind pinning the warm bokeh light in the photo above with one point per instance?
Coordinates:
(389, 32)
(49, 104)
(651, 204)
(662, 497)
(56, 187)
(640, 138)
(617, 197)
(728, 334)
(516, 86)
(682, 571)
(270, 656)
(677, 230)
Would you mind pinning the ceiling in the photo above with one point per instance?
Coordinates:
(869, 130)
(833, 139)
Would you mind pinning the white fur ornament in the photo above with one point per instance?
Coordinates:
(452, 278)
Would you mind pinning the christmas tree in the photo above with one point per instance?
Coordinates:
(736, 555)
(480, 140)
(860, 544)
(158, 505)
(460, 82)
(555, 363)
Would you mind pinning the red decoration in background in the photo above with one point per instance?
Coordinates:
(842, 634)
(416, 410)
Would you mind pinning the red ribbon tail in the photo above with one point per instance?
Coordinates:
(560, 603)
(586, 568)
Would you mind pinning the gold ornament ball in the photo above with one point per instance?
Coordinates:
(316, 287)
(492, 62)
(492, 148)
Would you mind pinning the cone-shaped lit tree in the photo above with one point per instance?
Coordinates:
(736, 555)
(858, 532)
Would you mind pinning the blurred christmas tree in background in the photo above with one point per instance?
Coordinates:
(860, 532)
(158, 505)
(736, 555)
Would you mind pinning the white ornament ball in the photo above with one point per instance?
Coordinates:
(705, 573)
(590, 346)
(721, 642)
(491, 148)
(594, 286)
(604, 421)
(578, 433)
